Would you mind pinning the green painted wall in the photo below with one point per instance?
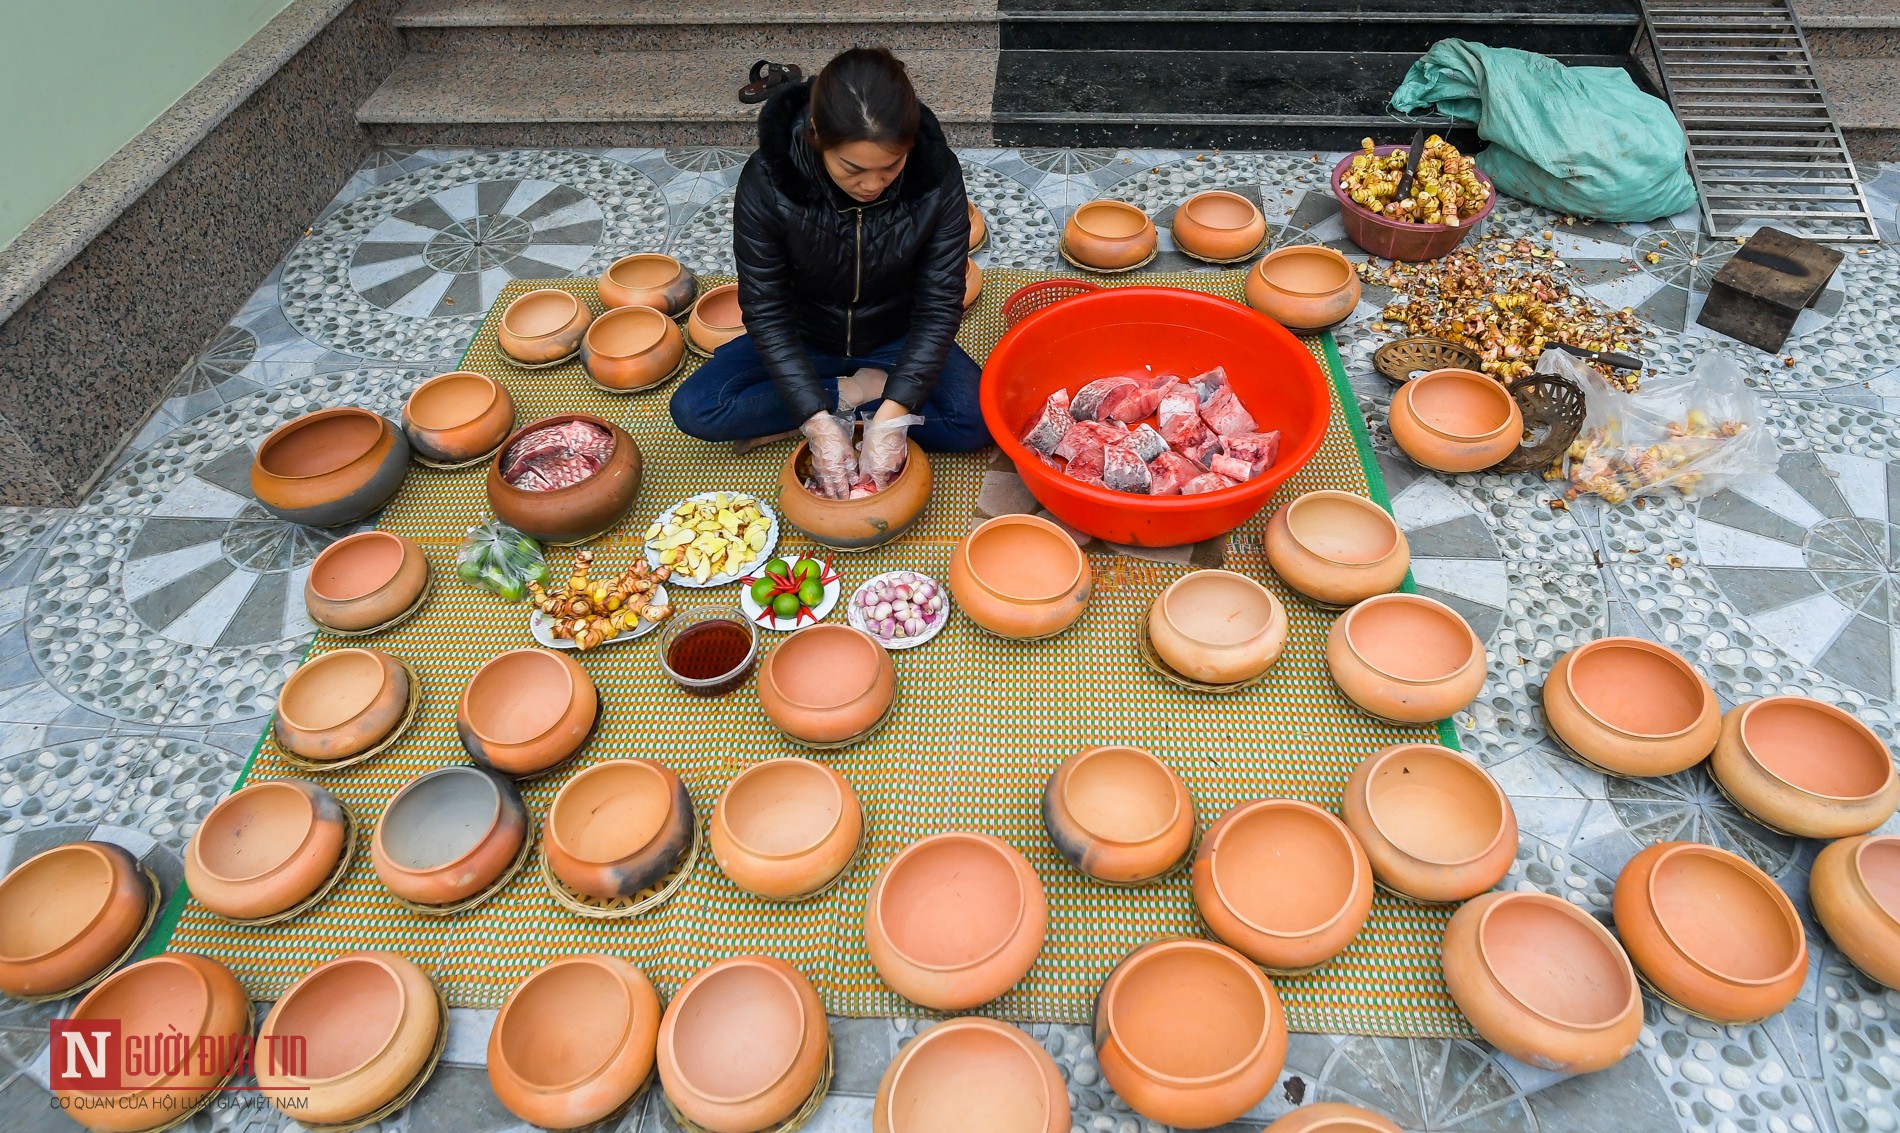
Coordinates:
(80, 78)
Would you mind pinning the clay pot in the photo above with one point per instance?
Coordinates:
(1337, 548)
(786, 828)
(1855, 887)
(1218, 225)
(743, 1044)
(1631, 707)
(543, 326)
(578, 512)
(330, 468)
(827, 683)
(630, 348)
(368, 1022)
(1118, 814)
(618, 828)
(341, 704)
(457, 417)
(853, 525)
(1020, 576)
(66, 914)
(955, 920)
(1710, 931)
(1805, 768)
(266, 848)
(1405, 658)
(1304, 287)
(972, 1074)
(1189, 1033)
(648, 279)
(1333, 1117)
(1455, 420)
(972, 282)
(716, 318)
(979, 228)
(526, 711)
(575, 1041)
(365, 580)
(176, 993)
(1217, 626)
(1435, 826)
(1109, 234)
(1283, 882)
(1542, 981)
(448, 835)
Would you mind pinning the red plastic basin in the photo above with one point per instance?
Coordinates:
(1186, 332)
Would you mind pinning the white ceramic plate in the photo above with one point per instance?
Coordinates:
(691, 583)
(854, 610)
(539, 624)
(785, 625)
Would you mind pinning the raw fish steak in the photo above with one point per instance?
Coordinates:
(1259, 450)
(1086, 436)
(1133, 403)
(1206, 385)
(1225, 415)
(1050, 425)
(1087, 466)
(1146, 442)
(1168, 472)
(1178, 402)
(1204, 450)
(1206, 482)
(1231, 468)
(1124, 470)
(557, 456)
(1091, 399)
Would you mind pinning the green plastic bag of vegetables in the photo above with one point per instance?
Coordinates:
(497, 557)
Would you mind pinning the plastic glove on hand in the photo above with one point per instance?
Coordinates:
(833, 464)
(886, 445)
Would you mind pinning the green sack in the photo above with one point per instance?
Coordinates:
(1584, 141)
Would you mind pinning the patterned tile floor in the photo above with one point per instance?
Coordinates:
(143, 634)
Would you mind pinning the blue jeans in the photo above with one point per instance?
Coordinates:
(731, 397)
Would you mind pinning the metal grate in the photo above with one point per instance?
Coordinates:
(1763, 143)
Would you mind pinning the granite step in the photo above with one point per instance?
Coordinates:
(1865, 94)
(1849, 29)
(784, 26)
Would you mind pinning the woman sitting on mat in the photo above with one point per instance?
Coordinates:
(850, 233)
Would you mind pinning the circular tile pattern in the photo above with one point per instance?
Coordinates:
(1688, 807)
(1023, 232)
(704, 242)
(1688, 260)
(158, 785)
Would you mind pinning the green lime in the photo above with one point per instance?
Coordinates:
(811, 592)
(762, 591)
(807, 570)
(469, 570)
(785, 606)
(777, 566)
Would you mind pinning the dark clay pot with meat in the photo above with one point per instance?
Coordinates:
(565, 479)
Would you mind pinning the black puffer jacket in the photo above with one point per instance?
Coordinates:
(819, 270)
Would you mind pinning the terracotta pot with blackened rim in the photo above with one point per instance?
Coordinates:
(1118, 814)
(1855, 887)
(543, 326)
(1282, 882)
(341, 704)
(575, 1041)
(971, 1074)
(1217, 626)
(648, 279)
(1805, 767)
(1405, 658)
(365, 580)
(1020, 576)
(955, 920)
(1434, 824)
(175, 993)
(66, 914)
(786, 828)
(1111, 235)
(1189, 1033)
(1337, 548)
(618, 828)
(826, 683)
(1218, 225)
(266, 848)
(1305, 287)
(716, 318)
(448, 835)
(578, 512)
(854, 525)
(1710, 931)
(1631, 707)
(743, 1044)
(1333, 1117)
(457, 417)
(1456, 420)
(368, 1021)
(979, 228)
(526, 711)
(630, 348)
(330, 468)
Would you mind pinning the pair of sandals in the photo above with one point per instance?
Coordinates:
(768, 77)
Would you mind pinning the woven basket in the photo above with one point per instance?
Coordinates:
(1401, 358)
(1033, 297)
(1553, 414)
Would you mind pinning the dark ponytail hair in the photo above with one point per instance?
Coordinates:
(864, 95)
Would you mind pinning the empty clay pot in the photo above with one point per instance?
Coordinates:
(1631, 707)
(266, 848)
(648, 279)
(972, 282)
(1020, 576)
(330, 468)
(1456, 420)
(630, 348)
(575, 1041)
(1304, 287)
(1111, 235)
(955, 920)
(1710, 931)
(458, 417)
(1189, 1033)
(742, 1045)
(1283, 882)
(1337, 548)
(341, 704)
(786, 828)
(1435, 826)
(66, 914)
(1405, 658)
(176, 993)
(526, 711)
(716, 318)
(578, 512)
(368, 1023)
(979, 228)
(365, 580)
(853, 525)
(448, 835)
(1217, 626)
(972, 1074)
(1805, 768)
(827, 683)
(1218, 225)
(1855, 887)
(618, 828)
(1118, 814)
(1542, 981)
(1333, 1117)
(543, 326)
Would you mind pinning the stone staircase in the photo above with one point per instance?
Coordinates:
(1856, 45)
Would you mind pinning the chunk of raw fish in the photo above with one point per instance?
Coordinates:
(1168, 472)
(1259, 450)
(1051, 424)
(1084, 436)
(1226, 415)
(1147, 443)
(1206, 385)
(1090, 399)
(1178, 403)
(1087, 465)
(1206, 482)
(1124, 470)
(1204, 450)
(1231, 468)
(1136, 402)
